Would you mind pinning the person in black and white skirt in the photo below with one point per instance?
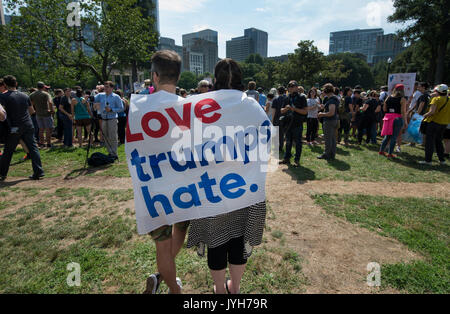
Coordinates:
(230, 237)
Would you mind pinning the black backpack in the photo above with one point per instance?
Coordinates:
(99, 159)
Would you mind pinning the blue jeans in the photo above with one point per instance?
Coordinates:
(67, 123)
(392, 139)
(27, 135)
(294, 134)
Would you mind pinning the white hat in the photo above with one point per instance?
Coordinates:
(441, 88)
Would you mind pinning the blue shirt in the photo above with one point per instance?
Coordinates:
(262, 100)
(115, 103)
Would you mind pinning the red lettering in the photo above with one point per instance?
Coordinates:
(161, 119)
(185, 123)
(211, 106)
(133, 137)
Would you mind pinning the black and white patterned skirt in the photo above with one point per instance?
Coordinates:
(213, 232)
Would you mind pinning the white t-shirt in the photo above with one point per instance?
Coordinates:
(311, 103)
(416, 97)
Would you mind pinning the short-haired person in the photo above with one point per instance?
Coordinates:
(295, 113)
(262, 98)
(109, 105)
(268, 108)
(67, 118)
(203, 86)
(345, 115)
(148, 88)
(122, 125)
(59, 124)
(394, 120)
(251, 92)
(438, 118)
(17, 106)
(278, 104)
(166, 69)
(423, 103)
(43, 104)
(230, 237)
(330, 122)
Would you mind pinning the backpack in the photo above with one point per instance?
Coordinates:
(342, 111)
(99, 159)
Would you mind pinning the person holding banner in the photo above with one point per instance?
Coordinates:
(166, 69)
(230, 237)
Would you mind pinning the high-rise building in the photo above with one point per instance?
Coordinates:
(169, 44)
(151, 8)
(388, 46)
(362, 41)
(204, 42)
(253, 41)
(2, 14)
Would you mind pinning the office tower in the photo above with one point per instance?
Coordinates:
(151, 8)
(388, 46)
(2, 14)
(253, 41)
(362, 41)
(203, 43)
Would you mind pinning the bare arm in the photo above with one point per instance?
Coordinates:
(404, 112)
(2, 114)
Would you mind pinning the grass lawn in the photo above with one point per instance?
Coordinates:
(352, 164)
(362, 163)
(51, 228)
(421, 224)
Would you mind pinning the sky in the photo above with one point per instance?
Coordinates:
(286, 21)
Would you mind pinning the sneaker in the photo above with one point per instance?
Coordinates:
(392, 156)
(425, 163)
(382, 154)
(26, 157)
(443, 163)
(398, 149)
(325, 157)
(296, 164)
(153, 283)
(2, 178)
(36, 177)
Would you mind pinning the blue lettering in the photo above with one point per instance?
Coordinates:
(154, 163)
(150, 202)
(206, 184)
(226, 186)
(195, 199)
(137, 161)
(179, 168)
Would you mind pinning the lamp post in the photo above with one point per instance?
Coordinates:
(389, 61)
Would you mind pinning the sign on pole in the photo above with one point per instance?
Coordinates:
(407, 79)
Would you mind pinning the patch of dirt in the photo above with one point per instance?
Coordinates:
(335, 252)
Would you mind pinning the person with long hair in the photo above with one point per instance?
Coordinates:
(229, 237)
(394, 120)
(82, 115)
(312, 120)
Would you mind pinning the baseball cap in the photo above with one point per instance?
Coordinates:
(292, 84)
(41, 85)
(442, 88)
(399, 87)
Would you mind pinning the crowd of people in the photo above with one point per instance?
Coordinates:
(342, 113)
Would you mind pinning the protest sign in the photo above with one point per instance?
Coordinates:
(407, 79)
(197, 157)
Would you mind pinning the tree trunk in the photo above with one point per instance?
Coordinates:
(440, 61)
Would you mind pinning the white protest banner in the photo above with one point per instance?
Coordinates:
(196, 157)
(407, 79)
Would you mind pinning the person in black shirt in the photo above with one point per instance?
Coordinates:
(59, 126)
(295, 114)
(345, 116)
(277, 105)
(16, 105)
(423, 103)
(66, 116)
(368, 119)
(357, 103)
(330, 122)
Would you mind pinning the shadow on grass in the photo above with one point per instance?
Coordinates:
(12, 183)
(340, 151)
(85, 171)
(339, 165)
(301, 174)
(411, 161)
